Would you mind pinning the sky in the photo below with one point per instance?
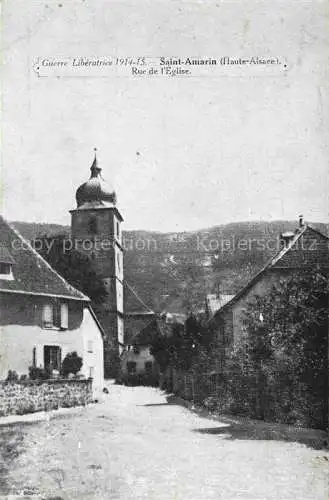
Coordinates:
(183, 153)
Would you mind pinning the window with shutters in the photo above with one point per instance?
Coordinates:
(55, 315)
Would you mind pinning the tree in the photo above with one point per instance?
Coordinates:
(72, 363)
(286, 342)
(194, 286)
(76, 267)
(166, 349)
(187, 344)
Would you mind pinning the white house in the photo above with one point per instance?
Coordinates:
(42, 317)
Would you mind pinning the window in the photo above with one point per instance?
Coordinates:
(222, 335)
(93, 225)
(55, 315)
(47, 318)
(6, 271)
(136, 349)
(118, 229)
(131, 367)
(64, 316)
(148, 367)
(5, 268)
(90, 346)
(6, 264)
(52, 357)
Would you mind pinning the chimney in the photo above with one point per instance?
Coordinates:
(286, 238)
(301, 221)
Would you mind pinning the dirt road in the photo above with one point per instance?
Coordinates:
(135, 445)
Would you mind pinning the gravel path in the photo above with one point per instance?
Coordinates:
(136, 446)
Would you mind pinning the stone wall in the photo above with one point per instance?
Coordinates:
(18, 398)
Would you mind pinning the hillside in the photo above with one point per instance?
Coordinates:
(171, 270)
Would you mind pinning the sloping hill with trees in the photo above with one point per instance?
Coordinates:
(176, 270)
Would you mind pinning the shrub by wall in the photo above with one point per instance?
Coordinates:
(18, 398)
(255, 395)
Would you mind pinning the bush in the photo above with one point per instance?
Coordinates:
(72, 363)
(12, 376)
(210, 403)
(36, 373)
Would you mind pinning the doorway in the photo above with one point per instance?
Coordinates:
(52, 357)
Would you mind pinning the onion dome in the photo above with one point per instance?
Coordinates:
(95, 193)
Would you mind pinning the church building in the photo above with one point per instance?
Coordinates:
(96, 231)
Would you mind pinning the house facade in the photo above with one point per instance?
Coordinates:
(42, 317)
(305, 249)
(138, 365)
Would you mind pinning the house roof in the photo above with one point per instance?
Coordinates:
(153, 330)
(306, 249)
(32, 274)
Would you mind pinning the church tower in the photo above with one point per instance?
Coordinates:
(96, 231)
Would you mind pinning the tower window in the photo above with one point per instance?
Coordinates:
(93, 225)
(118, 230)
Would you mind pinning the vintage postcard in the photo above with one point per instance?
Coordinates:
(164, 249)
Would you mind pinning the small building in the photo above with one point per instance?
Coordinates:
(305, 249)
(42, 317)
(138, 365)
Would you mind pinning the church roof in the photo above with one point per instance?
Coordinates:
(95, 193)
(137, 314)
(153, 330)
(133, 325)
(32, 274)
(134, 305)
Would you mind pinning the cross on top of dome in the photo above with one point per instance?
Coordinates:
(95, 193)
